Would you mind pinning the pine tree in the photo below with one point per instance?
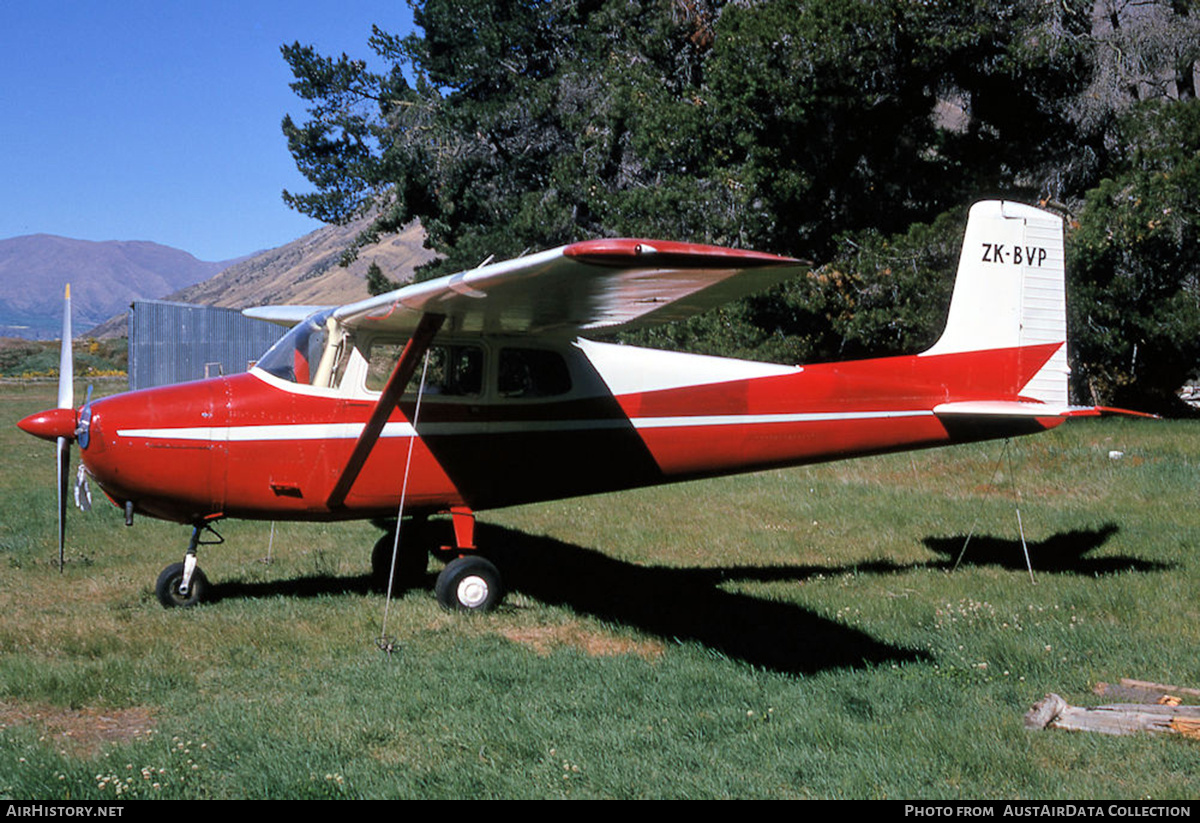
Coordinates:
(377, 283)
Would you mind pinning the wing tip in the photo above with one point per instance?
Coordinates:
(617, 251)
(282, 315)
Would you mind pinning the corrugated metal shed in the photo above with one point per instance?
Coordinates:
(176, 342)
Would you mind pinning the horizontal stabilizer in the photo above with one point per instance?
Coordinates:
(1018, 409)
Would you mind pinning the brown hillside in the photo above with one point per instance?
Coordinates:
(307, 271)
(304, 272)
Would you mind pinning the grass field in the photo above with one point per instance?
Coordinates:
(791, 634)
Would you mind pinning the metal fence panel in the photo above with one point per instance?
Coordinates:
(176, 342)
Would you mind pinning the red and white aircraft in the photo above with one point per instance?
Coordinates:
(480, 390)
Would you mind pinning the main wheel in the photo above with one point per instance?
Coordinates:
(167, 587)
(469, 584)
(410, 564)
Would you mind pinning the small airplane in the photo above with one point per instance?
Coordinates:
(481, 390)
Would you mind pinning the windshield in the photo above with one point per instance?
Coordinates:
(296, 356)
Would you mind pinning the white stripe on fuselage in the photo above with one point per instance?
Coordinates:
(351, 431)
(763, 419)
(285, 431)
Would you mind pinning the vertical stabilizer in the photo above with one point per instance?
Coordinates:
(1010, 292)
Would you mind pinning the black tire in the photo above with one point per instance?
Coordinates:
(469, 584)
(167, 588)
(410, 564)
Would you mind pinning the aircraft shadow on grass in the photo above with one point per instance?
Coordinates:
(688, 604)
(676, 604)
(1064, 553)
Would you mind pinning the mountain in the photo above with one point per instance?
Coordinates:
(105, 278)
(308, 271)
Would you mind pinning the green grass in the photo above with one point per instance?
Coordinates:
(789, 634)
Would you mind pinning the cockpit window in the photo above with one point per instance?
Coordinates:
(298, 353)
(454, 370)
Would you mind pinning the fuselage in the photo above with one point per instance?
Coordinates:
(502, 421)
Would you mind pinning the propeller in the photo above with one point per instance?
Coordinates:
(63, 425)
(66, 400)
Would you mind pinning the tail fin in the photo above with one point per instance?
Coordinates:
(1010, 292)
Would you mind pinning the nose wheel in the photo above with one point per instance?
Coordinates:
(169, 587)
(183, 585)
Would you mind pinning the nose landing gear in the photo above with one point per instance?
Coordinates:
(183, 585)
(173, 594)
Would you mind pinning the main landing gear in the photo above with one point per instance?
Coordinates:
(183, 584)
(468, 583)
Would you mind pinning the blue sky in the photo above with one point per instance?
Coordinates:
(132, 120)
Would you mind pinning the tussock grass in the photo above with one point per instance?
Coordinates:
(789, 634)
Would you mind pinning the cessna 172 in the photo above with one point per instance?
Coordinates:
(480, 390)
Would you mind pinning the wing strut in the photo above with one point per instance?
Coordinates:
(406, 365)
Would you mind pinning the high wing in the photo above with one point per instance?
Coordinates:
(592, 286)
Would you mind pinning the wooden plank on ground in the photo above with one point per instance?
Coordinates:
(1142, 684)
(1130, 694)
(1118, 718)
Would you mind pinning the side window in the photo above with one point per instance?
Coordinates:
(454, 370)
(381, 359)
(532, 373)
